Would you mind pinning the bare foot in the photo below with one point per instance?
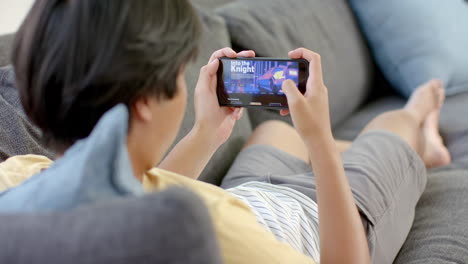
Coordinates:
(435, 153)
(426, 99)
(425, 104)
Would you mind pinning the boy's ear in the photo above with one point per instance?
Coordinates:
(141, 109)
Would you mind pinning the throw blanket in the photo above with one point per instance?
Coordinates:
(93, 170)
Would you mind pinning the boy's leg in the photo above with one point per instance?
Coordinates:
(416, 124)
(386, 170)
(274, 149)
(279, 135)
(283, 136)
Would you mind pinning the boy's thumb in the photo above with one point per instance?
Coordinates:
(291, 91)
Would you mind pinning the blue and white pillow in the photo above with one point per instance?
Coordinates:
(414, 41)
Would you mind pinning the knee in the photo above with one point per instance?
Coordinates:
(272, 133)
(274, 125)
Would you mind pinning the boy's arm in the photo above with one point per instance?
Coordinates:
(340, 225)
(213, 124)
(190, 156)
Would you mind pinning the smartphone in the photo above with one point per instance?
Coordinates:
(257, 82)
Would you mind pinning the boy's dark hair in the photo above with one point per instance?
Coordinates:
(74, 60)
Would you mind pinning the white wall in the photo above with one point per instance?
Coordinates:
(12, 13)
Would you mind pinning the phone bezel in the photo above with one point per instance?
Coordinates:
(303, 77)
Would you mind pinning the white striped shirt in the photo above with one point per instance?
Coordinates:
(290, 215)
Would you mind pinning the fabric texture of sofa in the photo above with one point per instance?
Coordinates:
(17, 135)
(271, 28)
(136, 230)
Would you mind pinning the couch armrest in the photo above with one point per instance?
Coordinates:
(172, 226)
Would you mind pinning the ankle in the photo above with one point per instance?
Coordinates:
(414, 115)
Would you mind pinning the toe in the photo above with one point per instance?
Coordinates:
(442, 96)
(438, 92)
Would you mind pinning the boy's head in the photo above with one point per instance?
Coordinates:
(74, 60)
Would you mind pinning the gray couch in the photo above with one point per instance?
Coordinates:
(135, 230)
(358, 92)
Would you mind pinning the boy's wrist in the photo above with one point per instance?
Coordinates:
(204, 136)
(318, 137)
(321, 141)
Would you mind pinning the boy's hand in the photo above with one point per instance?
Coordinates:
(211, 120)
(310, 112)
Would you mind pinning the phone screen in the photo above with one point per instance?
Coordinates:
(257, 82)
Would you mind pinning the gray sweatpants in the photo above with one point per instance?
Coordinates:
(386, 176)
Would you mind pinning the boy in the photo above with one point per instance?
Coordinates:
(68, 80)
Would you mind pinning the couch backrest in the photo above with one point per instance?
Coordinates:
(6, 42)
(274, 27)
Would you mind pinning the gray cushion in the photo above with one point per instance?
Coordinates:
(454, 126)
(17, 135)
(440, 230)
(215, 37)
(6, 42)
(274, 27)
(210, 4)
(169, 227)
(352, 126)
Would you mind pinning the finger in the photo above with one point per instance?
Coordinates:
(284, 112)
(226, 52)
(226, 111)
(246, 54)
(212, 68)
(207, 73)
(237, 114)
(315, 62)
(292, 93)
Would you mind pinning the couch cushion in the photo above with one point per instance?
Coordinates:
(454, 128)
(352, 126)
(414, 41)
(274, 27)
(6, 42)
(17, 134)
(210, 4)
(156, 228)
(439, 233)
(215, 37)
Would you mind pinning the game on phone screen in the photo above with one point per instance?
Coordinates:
(256, 82)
